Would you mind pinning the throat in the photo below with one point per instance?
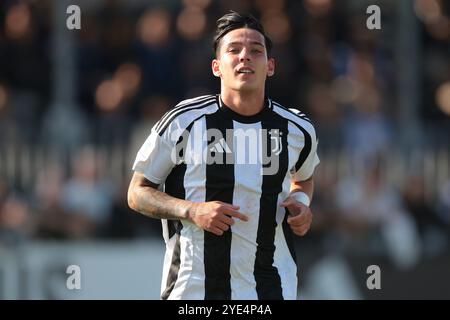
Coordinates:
(246, 105)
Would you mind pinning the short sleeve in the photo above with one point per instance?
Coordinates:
(308, 161)
(155, 158)
(306, 170)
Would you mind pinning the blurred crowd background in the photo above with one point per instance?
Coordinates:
(75, 106)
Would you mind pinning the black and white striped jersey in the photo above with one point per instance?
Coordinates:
(203, 151)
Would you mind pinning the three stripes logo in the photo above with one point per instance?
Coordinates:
(220, 147)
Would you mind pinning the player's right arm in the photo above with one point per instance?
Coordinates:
(213, 216)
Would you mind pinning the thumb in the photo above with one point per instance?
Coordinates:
(286, 203)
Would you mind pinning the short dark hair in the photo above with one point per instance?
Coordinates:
(234, 20)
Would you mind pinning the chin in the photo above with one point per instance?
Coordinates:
(246, 87)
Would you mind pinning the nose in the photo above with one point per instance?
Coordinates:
(244, 56)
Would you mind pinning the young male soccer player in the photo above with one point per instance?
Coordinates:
(236, 175)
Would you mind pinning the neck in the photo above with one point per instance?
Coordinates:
(244, 103)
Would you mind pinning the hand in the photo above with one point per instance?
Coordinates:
(300, 217)
(215, 216)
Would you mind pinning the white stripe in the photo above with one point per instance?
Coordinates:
(181, 110)
(193, 283)
(224, 146)
(296, 141)
(294, 118)
(186, 252)
(179, 106)
(170, 246)
(282, 257)
(286, 266)
(243, 243)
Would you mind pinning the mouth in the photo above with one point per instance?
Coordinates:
(245, 70)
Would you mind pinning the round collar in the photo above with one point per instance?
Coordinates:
(231, 114)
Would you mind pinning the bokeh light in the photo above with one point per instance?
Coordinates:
(443, 97)
(17, 22)
(197, 4)
(318, 8)
(440, 28)
(277, 26)
(428, 10)
(128, 76)
(344, 90)
(3, 97)
(269, 5)
(191, 23)
(108, 95)
(153, 27)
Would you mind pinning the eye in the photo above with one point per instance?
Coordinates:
(233, 50)
(256, 50)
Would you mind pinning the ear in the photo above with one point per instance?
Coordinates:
(215, 64)
(270, 67)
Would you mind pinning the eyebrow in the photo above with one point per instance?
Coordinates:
(240, 43)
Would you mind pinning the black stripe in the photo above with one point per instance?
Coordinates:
(174, 187)
(268, 282)
(171, 115)
(174, 269)
(179, 106)
(306, 148)
(301, 116)
(219, 186)
(288, 235)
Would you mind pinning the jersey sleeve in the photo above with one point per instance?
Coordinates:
(155, 158)
(306, 170)
(308, 158)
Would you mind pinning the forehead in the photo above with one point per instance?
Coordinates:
(244, 35)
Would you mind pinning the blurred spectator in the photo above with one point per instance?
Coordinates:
(15, 226)
(51, 220)
(371, 210)
(87, 195)
(427, 222)
(25, 63)
(126, 223)
(327, 116)
(367, 130)
(443, 206)
(158, 52)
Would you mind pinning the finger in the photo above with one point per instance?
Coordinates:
(287, 202)
(301, 227)
(301, 231)
(236, 214)
(297, 210)
(294, 211)
(226, 219)
(239, 215)
(229, 205)
(216, 231)
(222, 226)
(298, 219)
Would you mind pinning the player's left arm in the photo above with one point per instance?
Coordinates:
(297, 203)
(302, 183)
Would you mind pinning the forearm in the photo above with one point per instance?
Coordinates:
(306, 186)
(151, 202)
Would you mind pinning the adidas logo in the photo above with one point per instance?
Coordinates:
(221, 147)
